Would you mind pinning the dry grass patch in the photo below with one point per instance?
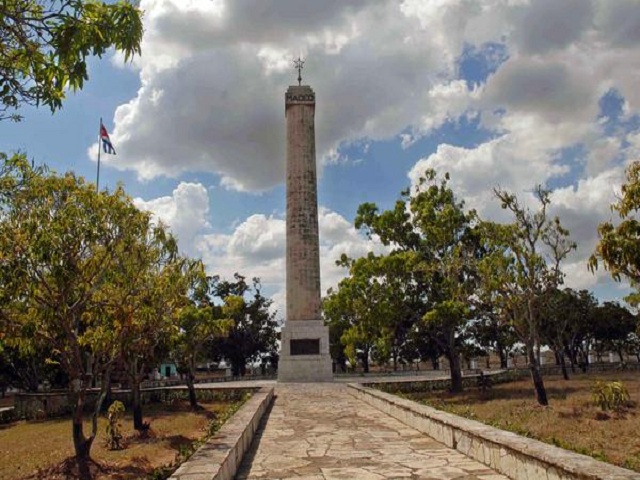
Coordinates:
(572, 420)
(39, 449)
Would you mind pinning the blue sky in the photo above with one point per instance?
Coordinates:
(497, 92)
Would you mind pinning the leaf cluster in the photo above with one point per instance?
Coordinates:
(44, 46)
(619, 245)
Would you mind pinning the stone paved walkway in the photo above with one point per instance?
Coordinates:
(319, 431)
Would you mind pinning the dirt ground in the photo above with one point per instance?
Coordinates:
(571, 421)
(39, 449)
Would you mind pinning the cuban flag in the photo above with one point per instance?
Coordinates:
(107, 146)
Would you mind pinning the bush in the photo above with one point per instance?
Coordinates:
(114, 435)
(610, 395)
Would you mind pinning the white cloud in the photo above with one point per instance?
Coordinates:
(185, 211)
(213, 75)
(256, 247)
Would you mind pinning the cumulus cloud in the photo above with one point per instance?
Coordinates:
(185, 212)
(213, 77)
(256, 246)
(213, 74)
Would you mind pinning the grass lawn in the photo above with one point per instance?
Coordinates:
(571, 421)
(28, 448)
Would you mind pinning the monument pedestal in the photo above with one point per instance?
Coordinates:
(304, 352)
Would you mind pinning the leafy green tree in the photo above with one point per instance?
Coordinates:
(369, 308)
(27, 368)
(430, 230)
(424, 342)
(60, 241)
(521, 266)
(613, 325)
(580, 331)
(557, 316)
(619, 248)
(491, 334)
(45, 45)
(253, 336)
(198, 323)
(143, 296)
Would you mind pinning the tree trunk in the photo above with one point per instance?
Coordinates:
(621, 355)
(536, 377)
(365, 360)
(193, 400)
(82, 447)
(434, 363)
(138, 424)
(563, 365)
(585, 360)
(456, 373)
(572, 357)
(504, 363)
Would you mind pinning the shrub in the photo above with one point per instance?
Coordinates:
(610, 395)
(114, 435)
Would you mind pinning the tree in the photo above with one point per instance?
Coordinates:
(613, 325)
(368, 308)
(60, 241)
(430, 230)
(198, 323)
(558, 313)
(450, 253)
(522, 265)
(580, 332)
(45, 45)
(253, 335)
(491, 334)
(144, 293)
(27, 368)
(619, 245)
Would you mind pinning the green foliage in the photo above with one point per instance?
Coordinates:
(82, 273)
(45, 45)
(521, 266)
(114, 434)
(632, 462)
(252, 337)
(411, 302)
(610, 395)
(618, 248)
(597, 454)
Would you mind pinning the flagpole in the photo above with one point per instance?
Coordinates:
(99, 139)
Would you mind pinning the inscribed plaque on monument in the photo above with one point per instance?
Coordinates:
(305, 346)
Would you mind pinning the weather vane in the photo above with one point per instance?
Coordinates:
(298, 65)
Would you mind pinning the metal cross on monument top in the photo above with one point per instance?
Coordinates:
(298, 65)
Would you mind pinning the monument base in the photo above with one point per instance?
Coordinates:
(304, 352)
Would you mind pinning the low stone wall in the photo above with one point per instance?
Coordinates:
(53, 404)
(517, 457)
(220, 457)
(406, 385)
(7, 415)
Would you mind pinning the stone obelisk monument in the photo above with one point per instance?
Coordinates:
(304, 354)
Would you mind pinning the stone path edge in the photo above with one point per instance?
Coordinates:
(517, 457)
(220, 457)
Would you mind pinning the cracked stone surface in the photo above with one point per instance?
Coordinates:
(319, 431)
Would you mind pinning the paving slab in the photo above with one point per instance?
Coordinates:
(319, 431)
